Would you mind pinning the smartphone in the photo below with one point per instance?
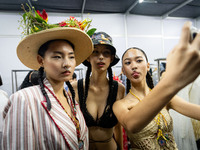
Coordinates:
(193, 32)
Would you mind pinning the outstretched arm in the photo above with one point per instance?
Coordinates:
(182, 68)
(185, 108)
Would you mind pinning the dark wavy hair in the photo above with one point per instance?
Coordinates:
(148, 76)
(42, 50)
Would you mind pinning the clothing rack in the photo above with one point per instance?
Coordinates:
(158, 64)
(80, 72)
(14, 79)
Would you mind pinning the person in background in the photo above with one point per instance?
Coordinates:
(97, 93)
(1, 82)
(3, 102)
(194, 97)
(46, 116)
(144, 111)
(31, 79)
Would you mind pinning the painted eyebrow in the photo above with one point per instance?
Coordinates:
(138, 57)
(71, 53)
(135, 58)
(57, 52)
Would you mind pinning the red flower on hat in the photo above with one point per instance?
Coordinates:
(43, 15)
(33, 21)
(72, 18)
(62, 24)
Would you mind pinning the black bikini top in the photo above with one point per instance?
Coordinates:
(108, 119)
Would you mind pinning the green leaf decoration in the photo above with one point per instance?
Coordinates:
(31, 22)
(91, 31)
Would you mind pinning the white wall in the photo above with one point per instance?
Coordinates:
(153, 34)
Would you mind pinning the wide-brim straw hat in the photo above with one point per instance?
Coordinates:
(27, 50)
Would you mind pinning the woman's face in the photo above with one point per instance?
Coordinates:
(135, 65)
(101, 57)
(59, 61)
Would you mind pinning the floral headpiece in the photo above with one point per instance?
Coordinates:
(38, 31)
(33, 21)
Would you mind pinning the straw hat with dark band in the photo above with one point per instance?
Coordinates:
(27, 50)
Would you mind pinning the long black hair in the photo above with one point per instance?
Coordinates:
(42, 50)
(149, 79)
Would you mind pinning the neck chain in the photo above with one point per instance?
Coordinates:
(161, 138)
(73, 118)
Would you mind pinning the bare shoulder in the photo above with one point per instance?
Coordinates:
(119, 103)
(126, 103)
(120, 108)
(121, 86)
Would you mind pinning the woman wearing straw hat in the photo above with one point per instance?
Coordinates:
(45, 116)
(96, 95)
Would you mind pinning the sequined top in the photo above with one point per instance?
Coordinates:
(146, 138)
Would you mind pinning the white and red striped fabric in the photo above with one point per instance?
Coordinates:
(28, 124)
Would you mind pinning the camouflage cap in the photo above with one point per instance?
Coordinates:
(103, 38)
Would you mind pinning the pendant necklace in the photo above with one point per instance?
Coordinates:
(161, 138)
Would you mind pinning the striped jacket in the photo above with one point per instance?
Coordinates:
(29, 125)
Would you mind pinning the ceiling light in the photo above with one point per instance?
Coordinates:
(140, 1)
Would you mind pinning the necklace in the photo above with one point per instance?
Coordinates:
(73, 118)
(161, 138)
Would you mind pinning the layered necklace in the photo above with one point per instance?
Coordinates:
(73, 118)
(161, 138)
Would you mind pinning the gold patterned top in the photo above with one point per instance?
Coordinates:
(146, 139)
